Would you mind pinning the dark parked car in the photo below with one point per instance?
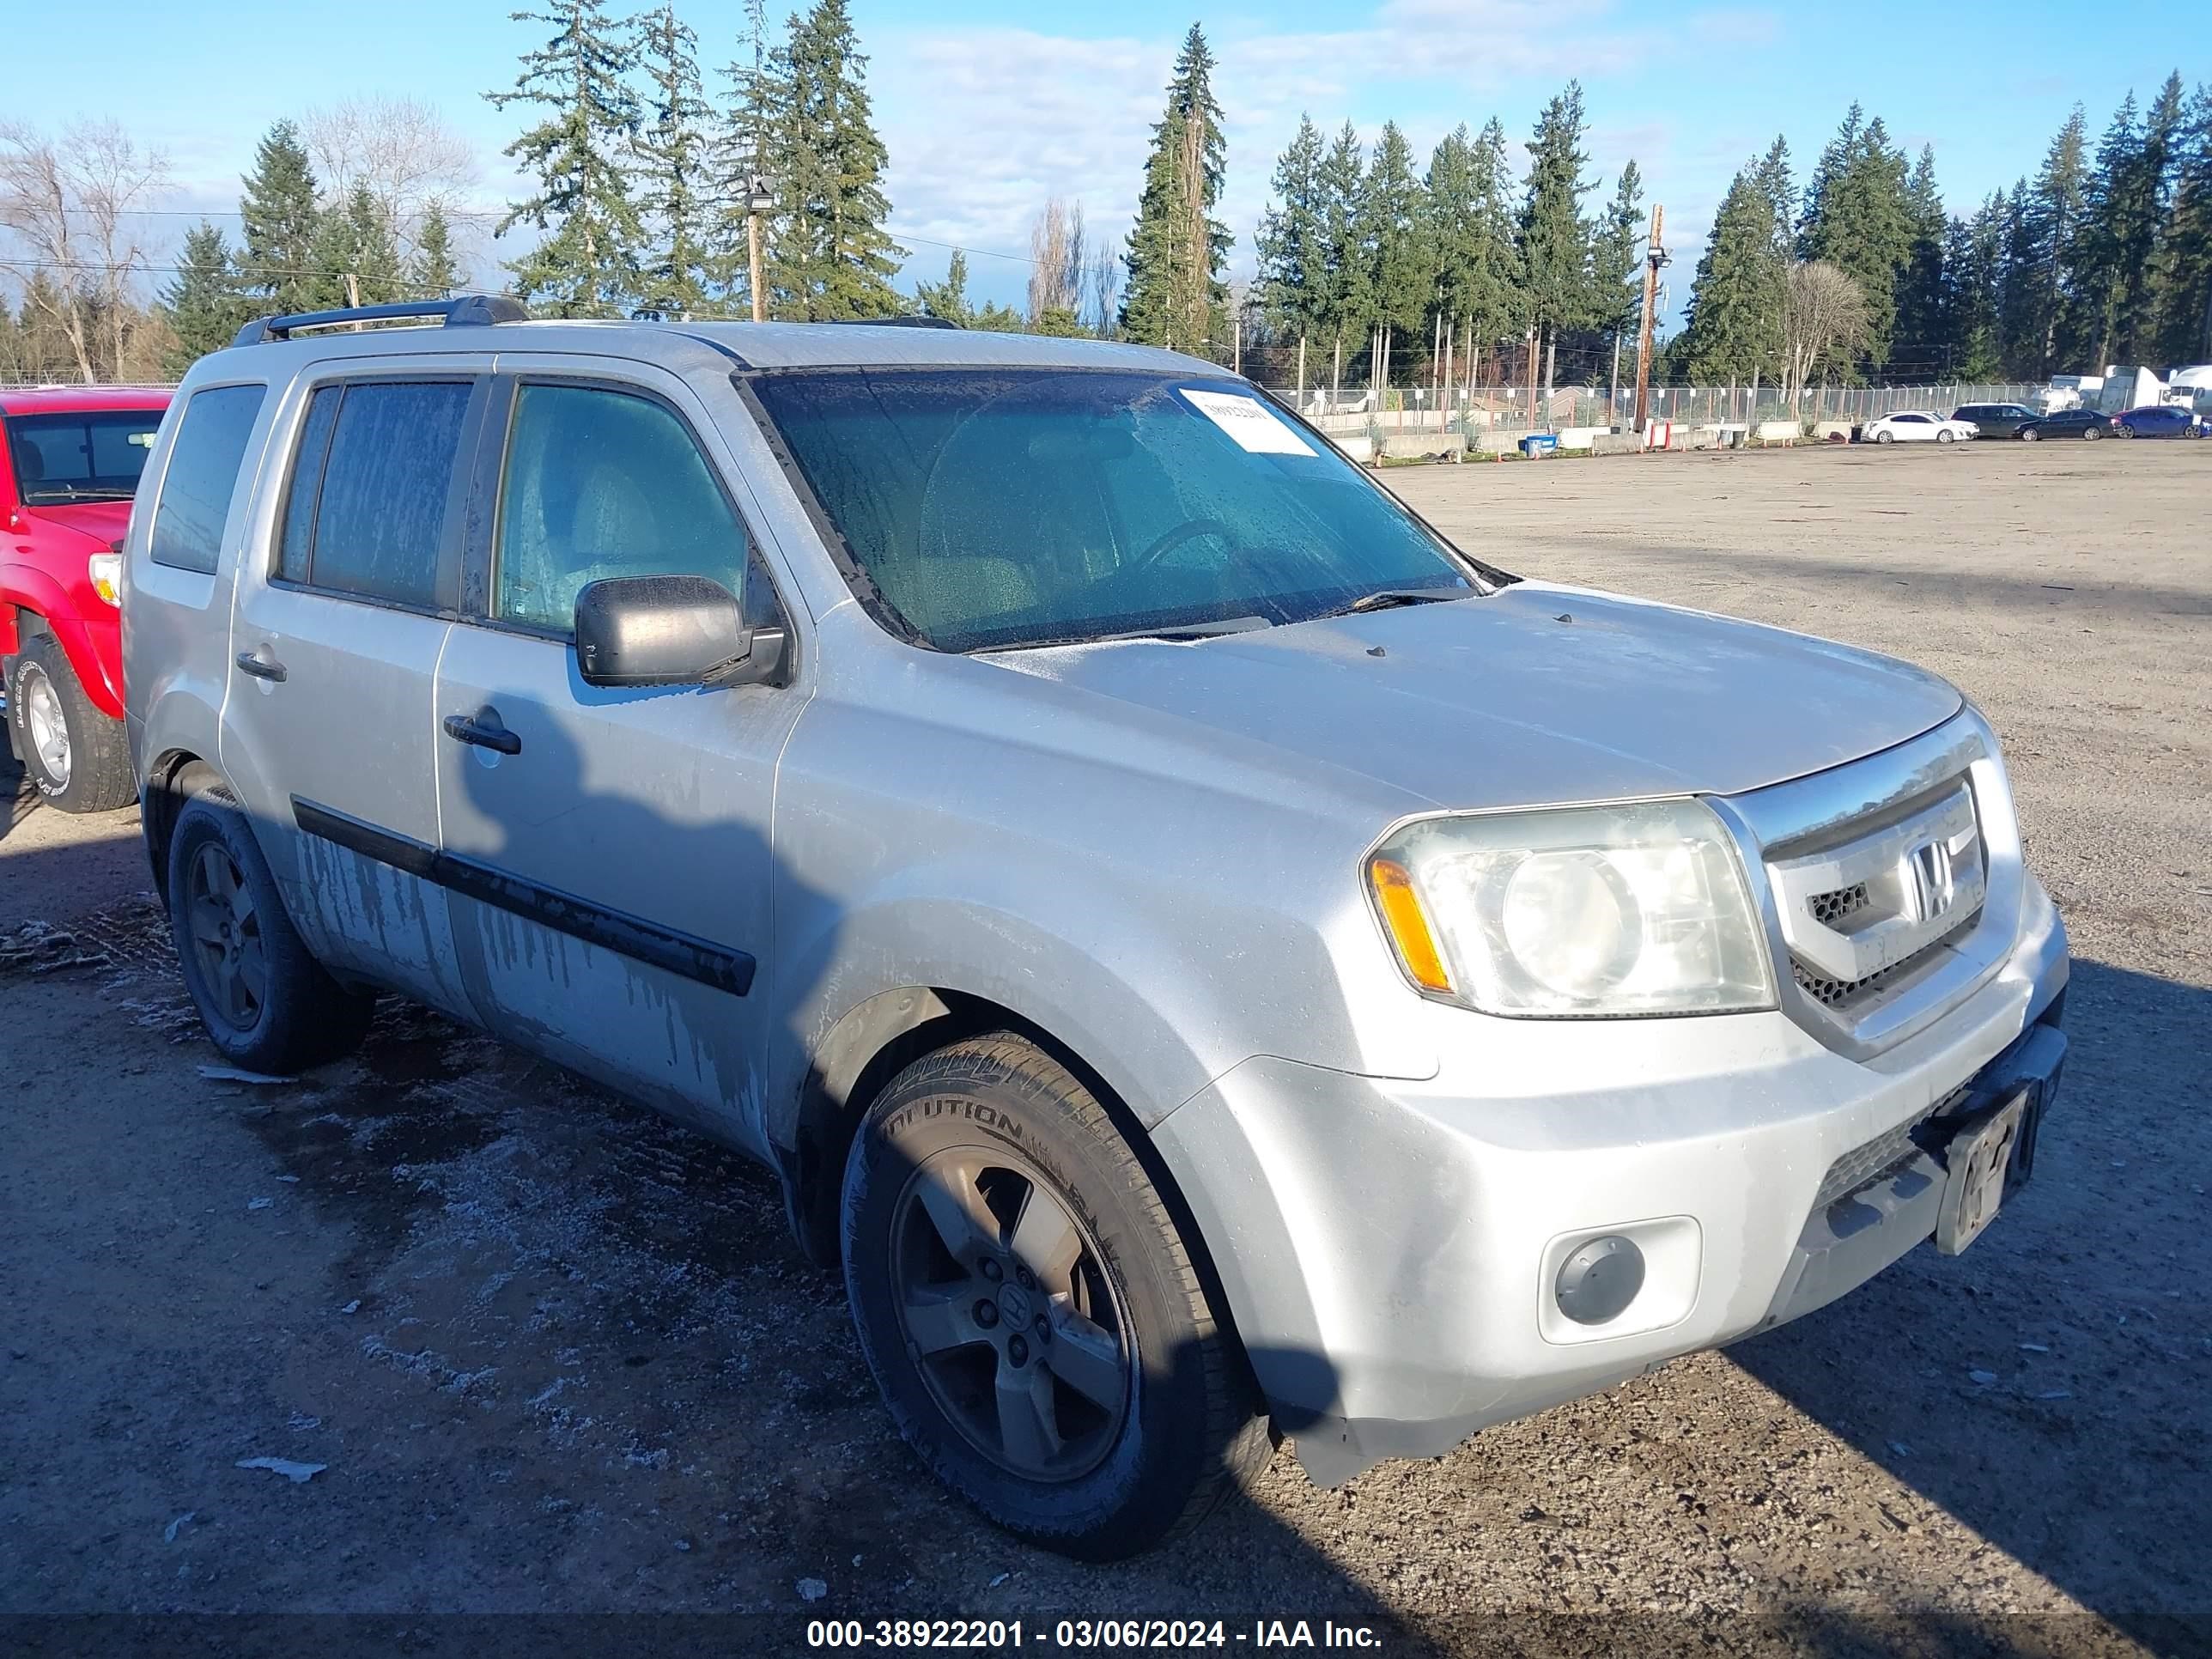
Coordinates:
(2159, 421)
(2069, 424)
(1996, 420)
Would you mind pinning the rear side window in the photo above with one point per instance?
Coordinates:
(604, 483)
(366, 510)
(196, 490)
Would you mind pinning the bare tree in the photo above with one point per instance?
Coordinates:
(71, 208)
(1824, 320)
(401, 148)
(1102, 277)
(1057, 253)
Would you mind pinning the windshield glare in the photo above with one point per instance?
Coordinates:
(997, 508)
(96, 457)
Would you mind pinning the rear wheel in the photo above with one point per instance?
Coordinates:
(76, 755)
(267, 1004)
(1031, 1311)
(2092, 433)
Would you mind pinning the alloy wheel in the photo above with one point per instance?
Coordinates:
(1009, 1314)
(44, 723)
(227, 936)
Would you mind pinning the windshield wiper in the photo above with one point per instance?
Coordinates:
(1202, 630)
(1390, 598)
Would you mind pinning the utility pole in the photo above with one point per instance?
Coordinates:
(1655, 256)
(757, 202)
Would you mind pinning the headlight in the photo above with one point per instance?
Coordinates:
(1574, 913)
(105, 572)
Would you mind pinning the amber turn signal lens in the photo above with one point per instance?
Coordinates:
(1409, 927)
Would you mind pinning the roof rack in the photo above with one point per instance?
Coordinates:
(895, 322)
(463, 311)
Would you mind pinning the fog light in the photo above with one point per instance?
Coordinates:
(1599, 1279)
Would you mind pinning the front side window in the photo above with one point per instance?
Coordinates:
(999, 508)
(602, 483)
(365, 511)
(195, 499)
(93, 457)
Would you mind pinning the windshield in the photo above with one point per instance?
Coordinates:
(996, 507)
(93, 457)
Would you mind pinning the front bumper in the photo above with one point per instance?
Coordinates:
(1389, 1248)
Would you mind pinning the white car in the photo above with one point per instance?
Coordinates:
(1915, 426)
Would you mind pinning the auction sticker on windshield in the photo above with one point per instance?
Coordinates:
(1249, 421)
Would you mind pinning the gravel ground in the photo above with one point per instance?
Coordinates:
(559, 1359)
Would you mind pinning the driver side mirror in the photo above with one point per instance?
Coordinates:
(670, 630)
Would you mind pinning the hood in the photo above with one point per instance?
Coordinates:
(104, 522)
(1537, 695)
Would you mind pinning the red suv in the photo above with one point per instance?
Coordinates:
(70, 460)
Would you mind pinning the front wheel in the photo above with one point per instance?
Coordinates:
(76, 755)
(2030, 435)
(1944, 437)
(1033, 1313)
(1884, 438)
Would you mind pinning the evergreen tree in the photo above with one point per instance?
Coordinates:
(1178, 250)
(2046, 251)
(202, 302)
(947, 299)
(830, 257)
(2019, 290)
(433, 271)
(1922, 349)
(1973, 260)
(1554, 238)
(1346, 306)
(586, 264)
(356, 257)
(1617, 258)
(2183, 273)
(1292, 242)
(1402, 275)
(1772, 176)
(278, 207)
(674, 176)
(1858, 219)
(747, 143)
(1733, 328)
(2125, 204)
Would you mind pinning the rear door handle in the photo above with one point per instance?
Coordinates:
(461, 729)
(260, 665)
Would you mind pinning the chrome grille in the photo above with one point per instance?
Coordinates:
(1884, 895)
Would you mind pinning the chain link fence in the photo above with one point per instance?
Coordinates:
(1473, 411)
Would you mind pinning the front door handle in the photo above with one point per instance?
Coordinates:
(461, 729)
(260, 664)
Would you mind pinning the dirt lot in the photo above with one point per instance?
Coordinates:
(561, 1359)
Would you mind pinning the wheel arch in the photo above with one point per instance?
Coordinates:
(878, 1038)
(43, 609)
(172, 779)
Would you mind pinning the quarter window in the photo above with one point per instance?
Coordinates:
(604, 483)
(366, 512)
(203, 463)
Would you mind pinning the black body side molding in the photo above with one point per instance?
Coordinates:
(680, 953)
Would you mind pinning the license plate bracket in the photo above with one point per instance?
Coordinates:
(1987, 1159)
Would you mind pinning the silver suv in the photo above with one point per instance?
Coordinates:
(1201, 950)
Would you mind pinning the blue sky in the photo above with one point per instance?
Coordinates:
(989, 108)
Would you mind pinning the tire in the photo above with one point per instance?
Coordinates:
(1884, 438)
(2092, 434)
(267, 1004)
(76, 757)
(1944, 437)
(2029, 435)
(1160, 1419)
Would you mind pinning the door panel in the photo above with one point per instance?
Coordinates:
(327, 723)
(619, 840)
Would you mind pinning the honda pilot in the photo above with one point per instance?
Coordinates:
(1210, 959)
